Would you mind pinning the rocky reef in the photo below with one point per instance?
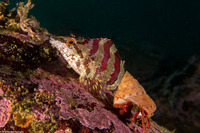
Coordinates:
(178, 97)
(38, 92)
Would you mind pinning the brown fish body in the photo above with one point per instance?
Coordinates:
(97, 61)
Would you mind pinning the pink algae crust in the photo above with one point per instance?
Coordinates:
(5, 108)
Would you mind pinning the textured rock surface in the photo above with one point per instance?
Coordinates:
(178, 97)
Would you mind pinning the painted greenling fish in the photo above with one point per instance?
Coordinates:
(97, 61)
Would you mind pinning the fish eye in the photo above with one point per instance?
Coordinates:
(71, 41)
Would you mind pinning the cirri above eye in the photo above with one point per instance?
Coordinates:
(71, 41)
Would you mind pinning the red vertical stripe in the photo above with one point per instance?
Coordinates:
(95, 46)
(106, 55)
(115, 74)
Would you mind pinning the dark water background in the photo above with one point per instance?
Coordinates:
(164, 31)
(170, 25)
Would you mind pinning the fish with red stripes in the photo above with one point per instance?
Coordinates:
(97, 61)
